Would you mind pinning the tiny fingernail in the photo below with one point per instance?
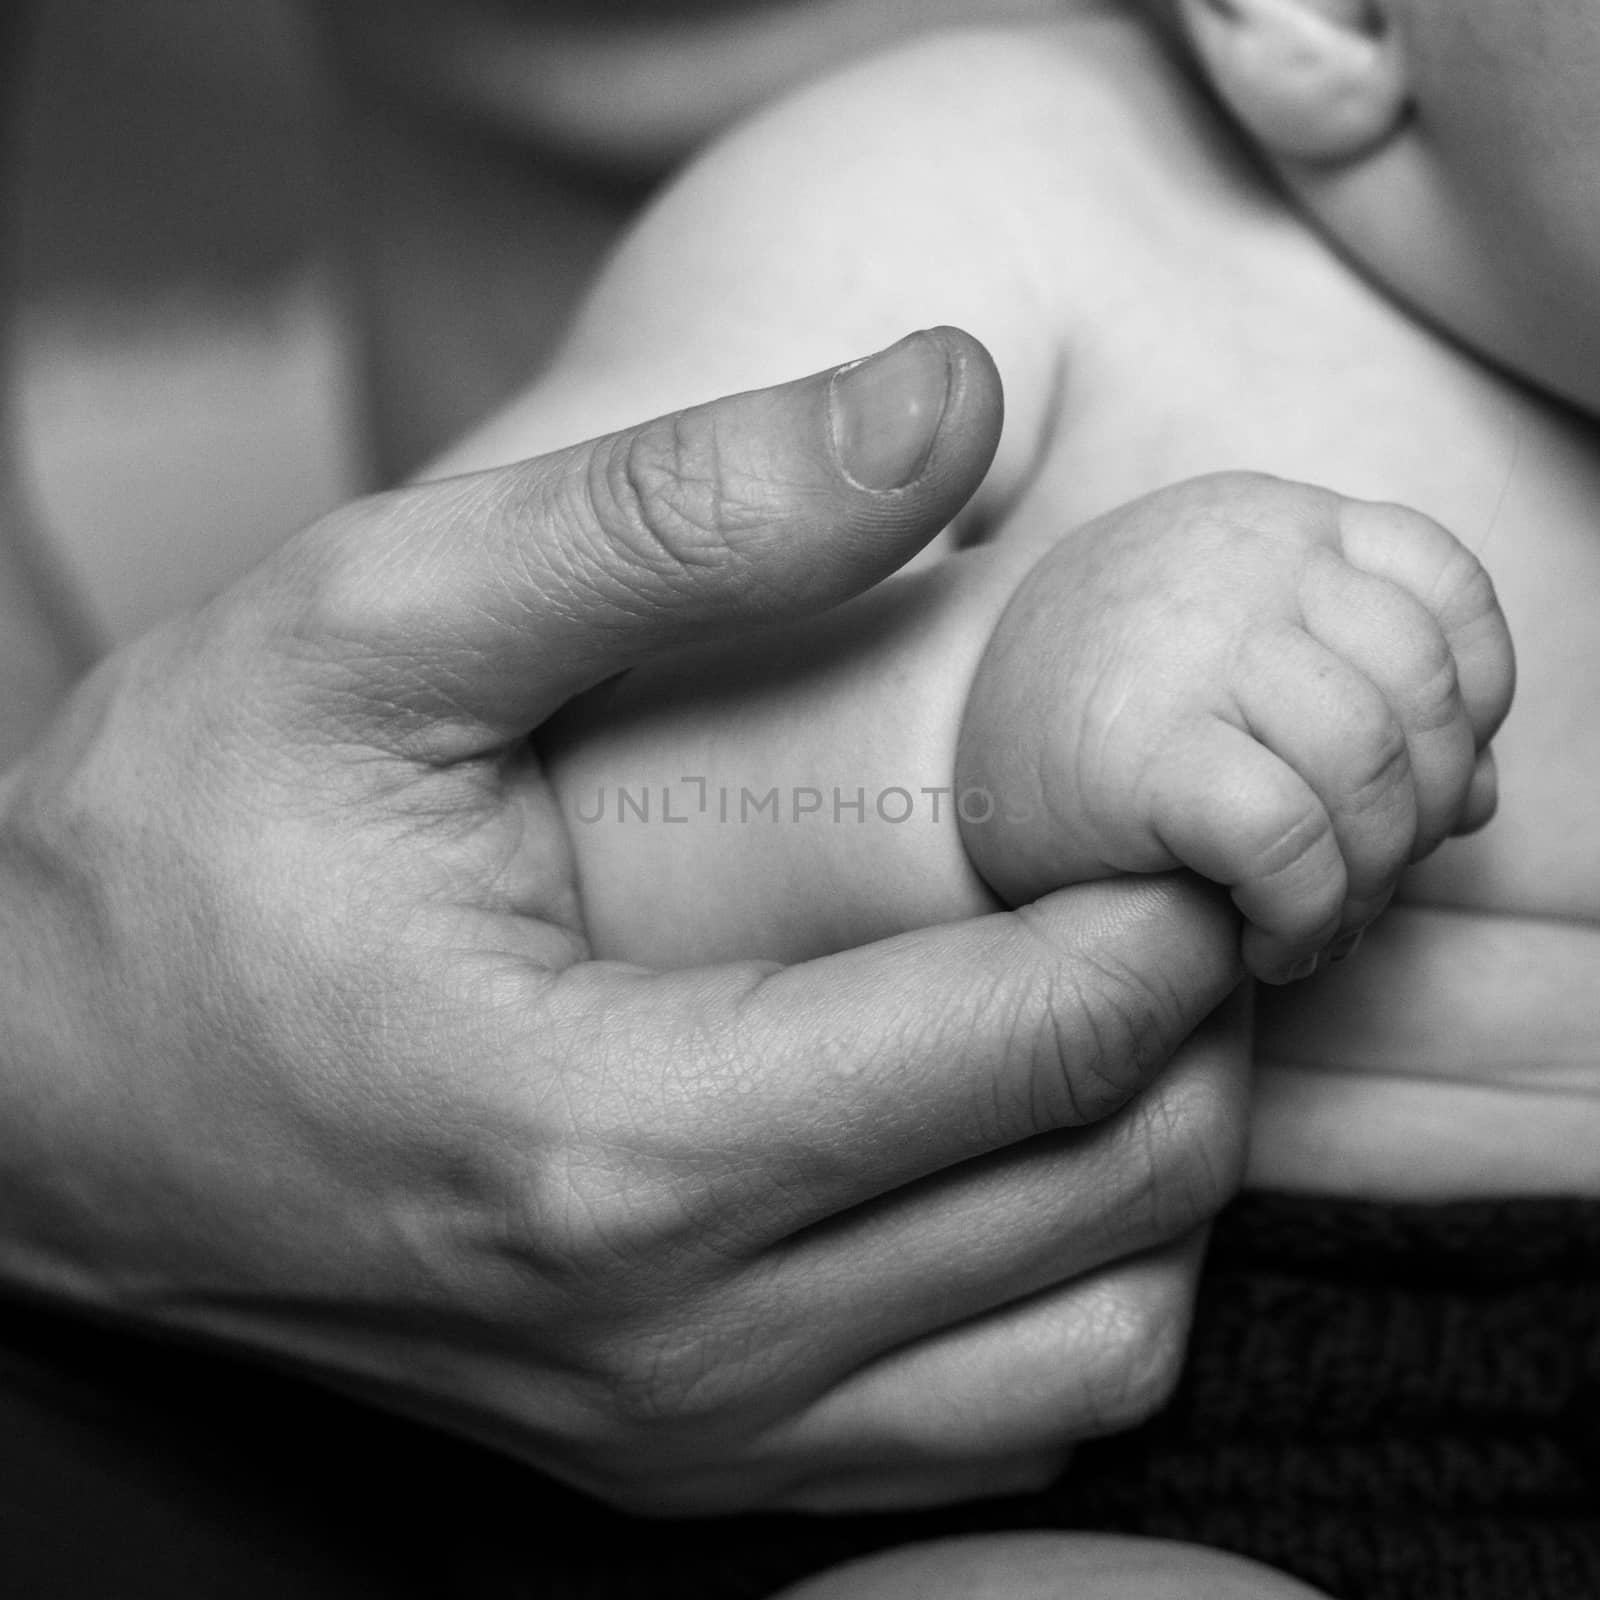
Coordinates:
(1343, 949)
(887, 410)
(1301, 969)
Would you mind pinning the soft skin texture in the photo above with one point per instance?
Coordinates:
(304, 1052)
(1158, 312)
(493, 151)
(1450, 146)
(1285, 692)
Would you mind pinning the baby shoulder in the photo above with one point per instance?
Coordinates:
(1006, 180)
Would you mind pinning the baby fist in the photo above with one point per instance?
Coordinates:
(1286, 691)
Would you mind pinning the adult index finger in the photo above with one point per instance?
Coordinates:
(805, 1090)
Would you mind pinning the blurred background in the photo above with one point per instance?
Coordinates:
(185, 388)
(269, 253)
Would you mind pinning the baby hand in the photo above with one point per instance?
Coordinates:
(1289, 692)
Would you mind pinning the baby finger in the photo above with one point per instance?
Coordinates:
(1328, 721)
(1392, 639)
(1231, 810)
(1416, 554)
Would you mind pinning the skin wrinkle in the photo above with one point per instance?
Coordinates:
(582, 581)
(708, 1380)
(628, 489)
(775, 1182)
(1385, 763)
(1097, 1172)
(1143, 1136)
(665, 486)
(700, 521)
(1169, 1195)
(1134, 1041)
(1439, 694)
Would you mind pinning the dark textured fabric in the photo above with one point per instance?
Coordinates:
(1394, 1403)
(1385, 1401)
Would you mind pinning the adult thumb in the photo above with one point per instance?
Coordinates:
(473, 608)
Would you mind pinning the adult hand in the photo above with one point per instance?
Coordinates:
(302, 1052)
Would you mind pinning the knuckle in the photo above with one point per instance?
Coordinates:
(1190, 1146)
(1298, 878)
(625, 1413)
(1092, 1026)
(563, 1213)
(1214, 1109)
(677, 1388)
(662, 499)
(1288, 835)
(1435, 700)
(1463, 592)
(1377, 759)
(1149, 1323)
(593, 1221)
(656, 1385)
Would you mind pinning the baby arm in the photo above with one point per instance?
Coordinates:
(788, 794)
(1285, 691)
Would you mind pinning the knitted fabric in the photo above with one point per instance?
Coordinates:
(1385, 1401)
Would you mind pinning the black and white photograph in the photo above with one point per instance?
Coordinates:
(798, 800)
